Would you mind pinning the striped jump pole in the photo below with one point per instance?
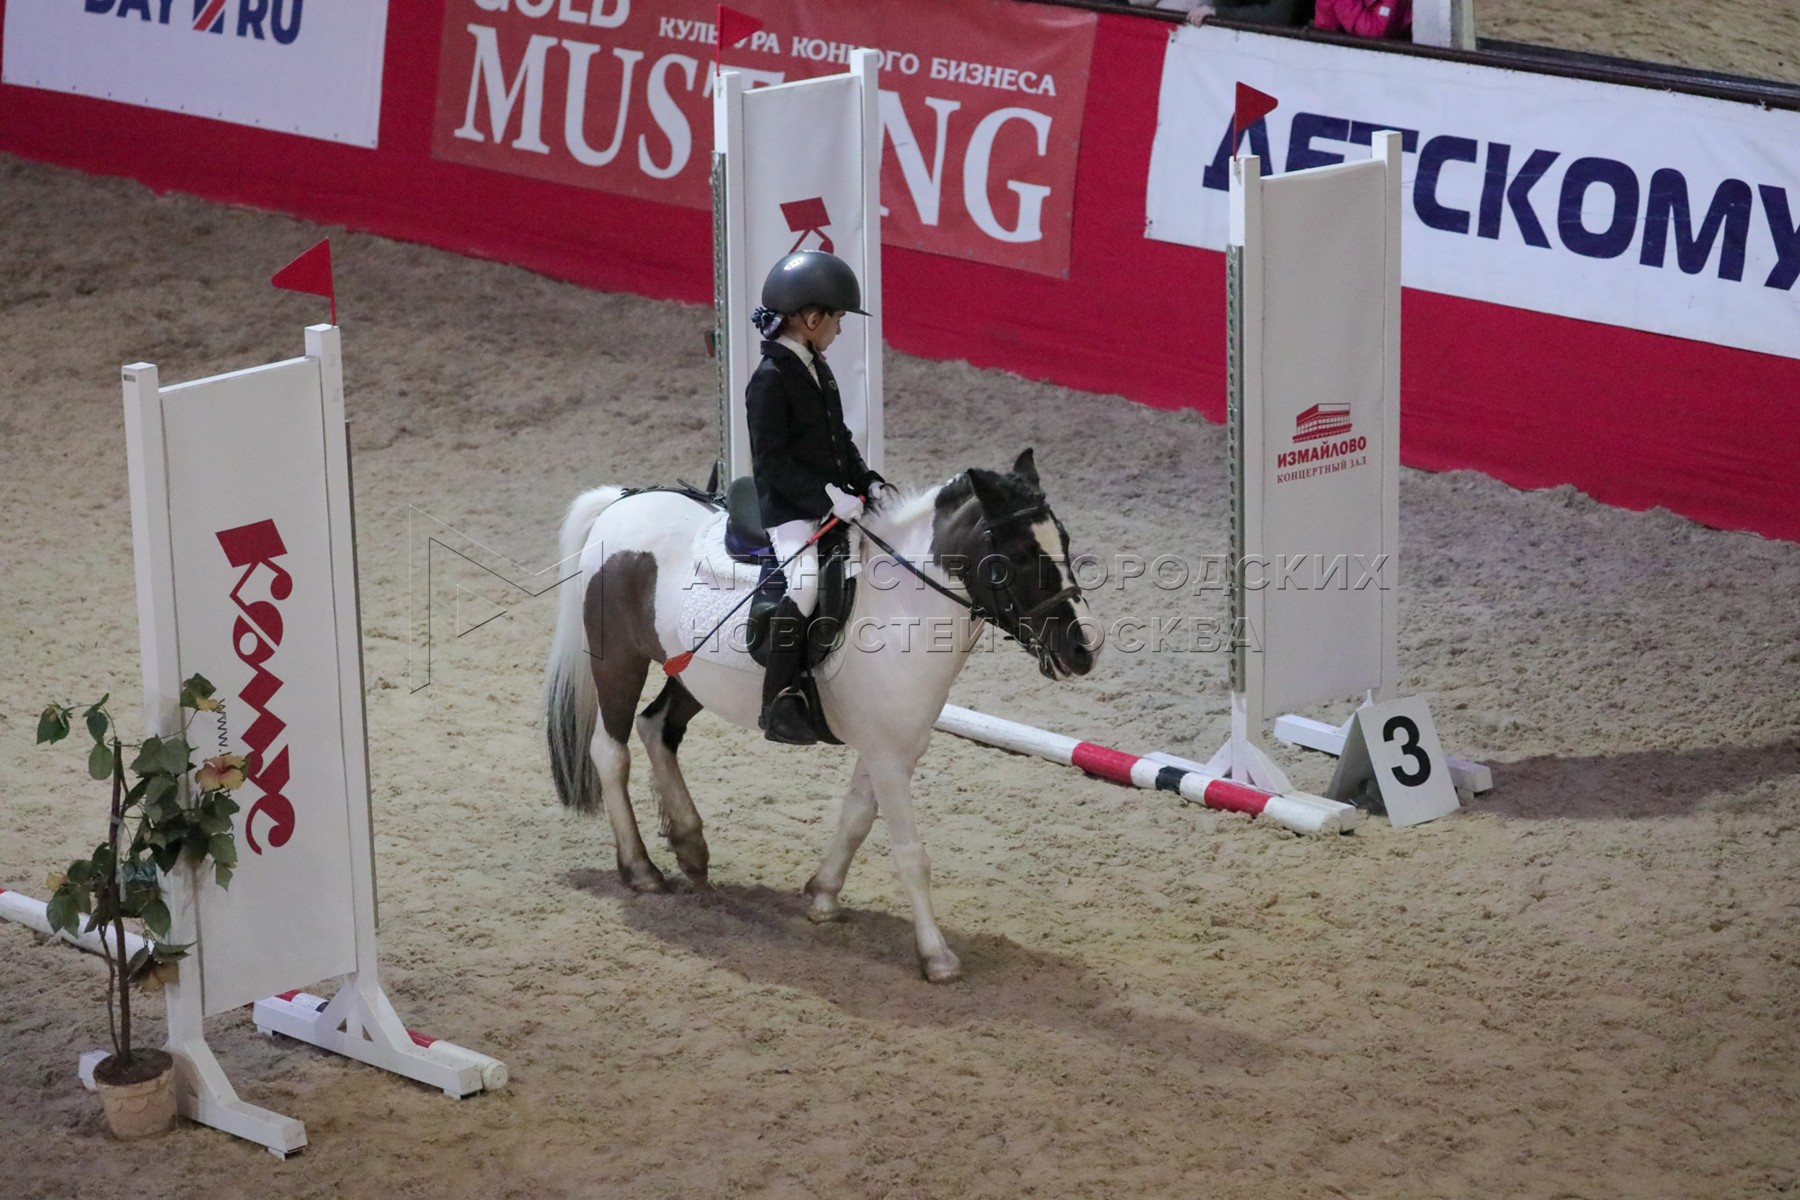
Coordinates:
(1294, 810)
(35, 914)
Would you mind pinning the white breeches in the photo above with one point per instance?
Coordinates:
(803, 573)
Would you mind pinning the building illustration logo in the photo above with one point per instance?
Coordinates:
(1322, 421)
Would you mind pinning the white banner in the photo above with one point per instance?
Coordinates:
(1650, 210)
(803, 173)
(311, 69)
(257, 614)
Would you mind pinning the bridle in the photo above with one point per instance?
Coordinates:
(1005, 613)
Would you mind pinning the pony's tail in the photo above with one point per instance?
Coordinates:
(571, 703)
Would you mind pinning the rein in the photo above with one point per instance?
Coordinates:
(1011, 622)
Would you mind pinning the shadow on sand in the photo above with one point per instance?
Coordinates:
(1635, 784)
(864, 965)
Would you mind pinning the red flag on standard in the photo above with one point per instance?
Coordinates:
(1252, 106)
(310, 273)
(734, 27)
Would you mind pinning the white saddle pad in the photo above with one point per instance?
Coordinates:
(718, 582)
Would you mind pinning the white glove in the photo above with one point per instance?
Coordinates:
(844, 506)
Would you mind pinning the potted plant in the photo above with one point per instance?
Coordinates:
(171, 813)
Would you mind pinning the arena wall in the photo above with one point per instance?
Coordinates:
(1636, 419)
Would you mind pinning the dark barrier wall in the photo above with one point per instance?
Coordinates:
(1635, 419)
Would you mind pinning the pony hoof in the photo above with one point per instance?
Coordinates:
(646, 880)
(824, 908)
(692, 857)
(944, 969)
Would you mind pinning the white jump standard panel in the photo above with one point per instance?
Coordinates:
(798, 167)
(1313, 265)
(244, 544)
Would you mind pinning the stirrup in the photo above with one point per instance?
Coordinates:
(787, 720)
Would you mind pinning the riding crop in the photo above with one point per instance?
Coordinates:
(679, 663)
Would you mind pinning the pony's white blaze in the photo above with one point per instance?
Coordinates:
(1049, 542)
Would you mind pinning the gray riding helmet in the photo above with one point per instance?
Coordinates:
(812, 279)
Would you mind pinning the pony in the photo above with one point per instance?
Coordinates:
(984, 547)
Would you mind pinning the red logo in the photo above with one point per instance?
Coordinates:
(806, 217)
(210, 18)
(254, 636)
(1322, 421)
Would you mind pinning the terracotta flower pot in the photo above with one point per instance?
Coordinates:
(140, 1102)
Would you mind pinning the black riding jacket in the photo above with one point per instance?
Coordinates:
(798, 440)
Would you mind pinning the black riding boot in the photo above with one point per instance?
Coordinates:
(785, 714)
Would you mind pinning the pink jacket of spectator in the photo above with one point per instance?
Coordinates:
(1364, 18)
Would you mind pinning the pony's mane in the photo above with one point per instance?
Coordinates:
(908, 516)
(909, 511)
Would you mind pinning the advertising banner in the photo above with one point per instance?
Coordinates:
(981, 104)
(1672, 214)
(256, 613)
(311, 69)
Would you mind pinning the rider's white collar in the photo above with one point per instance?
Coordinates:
(805, 353)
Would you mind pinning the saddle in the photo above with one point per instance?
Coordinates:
(745, 538)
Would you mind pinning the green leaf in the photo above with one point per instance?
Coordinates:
(158, 788)
(64, 909)
(222, 875)
(137, 898)
(53, 724)
(156, 918)
(97, 721)
(167, 856)
(149, 757)
(100, 761)
(170, 951)
(175, 752)
(139, 962)
(80, 872)
(196, 685)
(223, 848)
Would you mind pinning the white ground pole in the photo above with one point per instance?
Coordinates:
(809, 139)
(359, 1021)
(1293, 810)
(34, 914)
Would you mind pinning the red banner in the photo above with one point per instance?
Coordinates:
(981, 104)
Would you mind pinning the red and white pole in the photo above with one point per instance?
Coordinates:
(1295, 810)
